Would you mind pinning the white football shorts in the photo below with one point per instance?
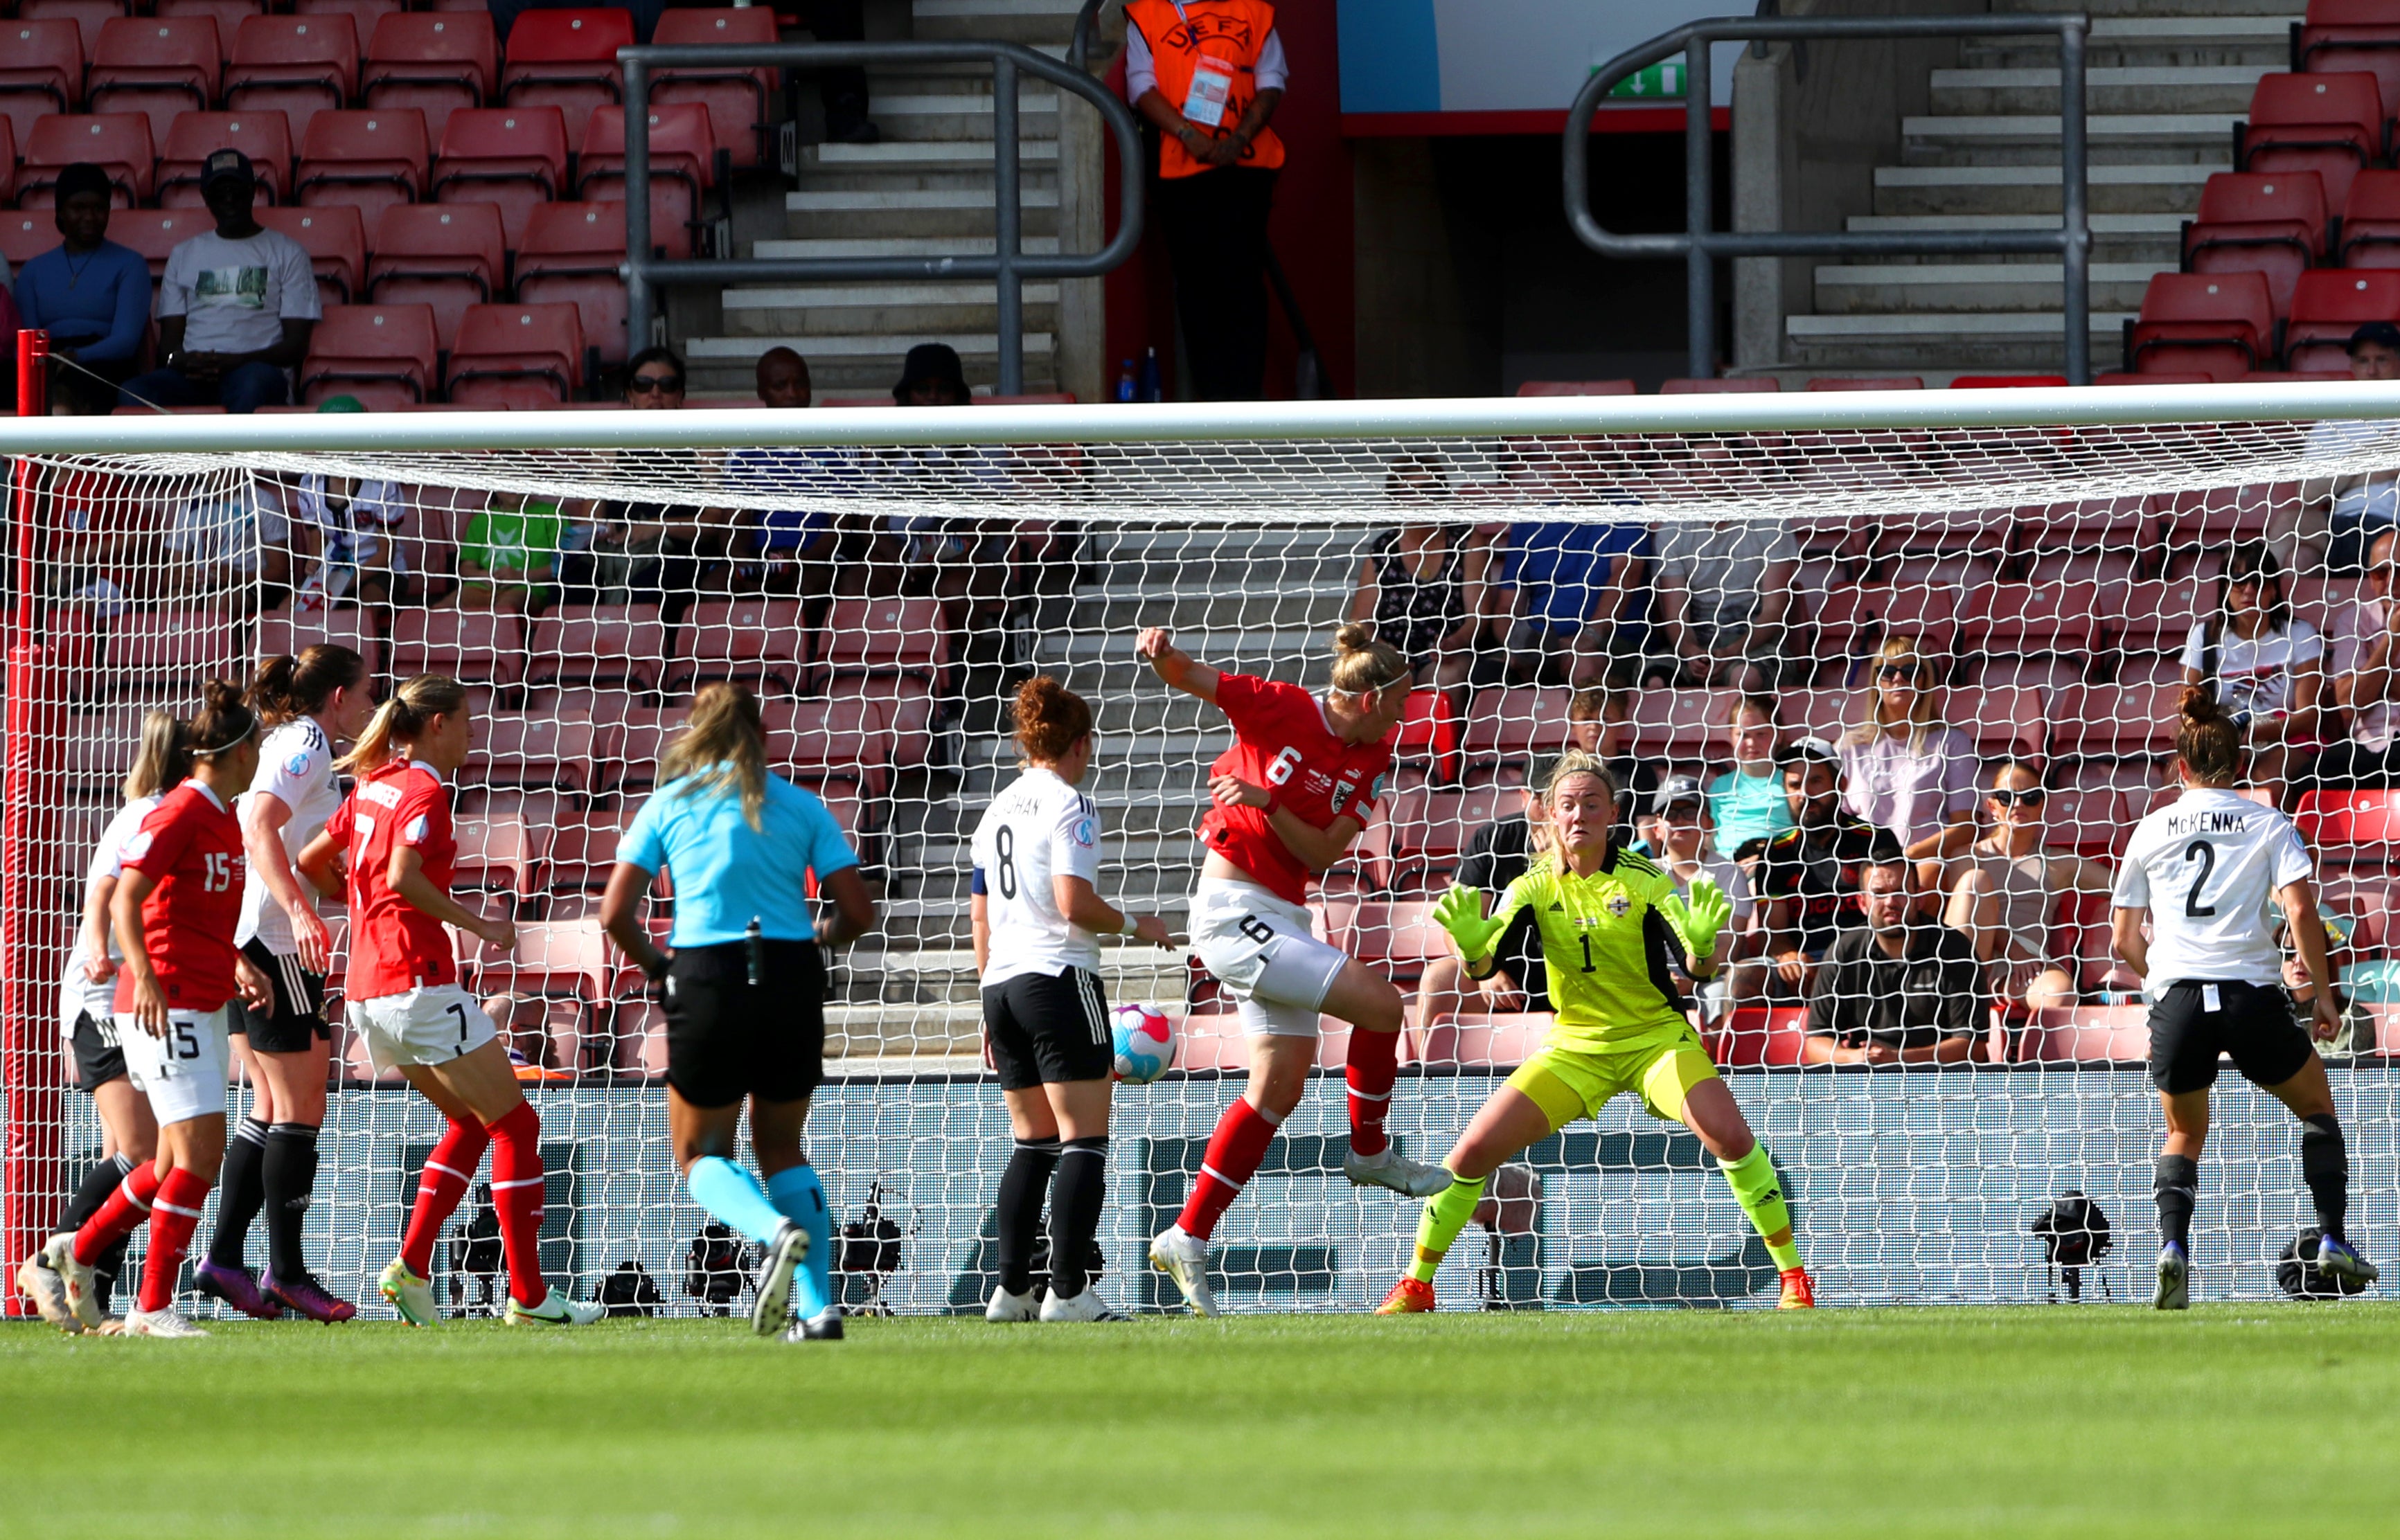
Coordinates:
(432, 1025)
(1262, 950)
(183, 1073)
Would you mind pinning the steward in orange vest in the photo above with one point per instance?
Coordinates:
(1207, 56)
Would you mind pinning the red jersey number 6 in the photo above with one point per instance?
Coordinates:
(1285, 763)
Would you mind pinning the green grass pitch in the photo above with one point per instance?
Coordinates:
(2256, 1419)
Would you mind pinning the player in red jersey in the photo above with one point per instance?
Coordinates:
(175, 914)
(1287, 798)
(394, 838)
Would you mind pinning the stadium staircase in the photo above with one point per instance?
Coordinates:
(925, 189)
(2167, 80)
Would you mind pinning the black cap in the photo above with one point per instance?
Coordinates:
(226, 166)
(79, 178)
(928, 363)
(1884, 850)
(1811, 750)
(2380, 332)
(1676, 790)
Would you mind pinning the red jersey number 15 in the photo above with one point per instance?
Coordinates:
(217, 874)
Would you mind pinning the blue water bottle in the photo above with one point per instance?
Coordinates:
(1127, 389)
(1150, 386)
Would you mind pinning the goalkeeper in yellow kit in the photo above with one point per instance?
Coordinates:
(1610, 921)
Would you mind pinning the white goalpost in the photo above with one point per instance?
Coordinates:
(1624, 568)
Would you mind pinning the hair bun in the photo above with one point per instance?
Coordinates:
(2199, 705)
(1354, 636)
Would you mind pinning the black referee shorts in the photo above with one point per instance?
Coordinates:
(2253, 1022)
(727, 1040)
(298, 1018)
(98, 1057)
(1048, 1031)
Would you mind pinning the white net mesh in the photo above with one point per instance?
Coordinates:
(1623, 588)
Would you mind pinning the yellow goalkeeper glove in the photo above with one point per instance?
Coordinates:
(1700, 917)
(1460, 911)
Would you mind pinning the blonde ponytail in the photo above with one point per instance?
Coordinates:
(724, 745)
(1364, 663)
(403, 719)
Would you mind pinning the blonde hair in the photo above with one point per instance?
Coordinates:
(1924, 714)
(725, 744)
(403, 719)
(163, 759)
(1364, 663)
(1572, 763)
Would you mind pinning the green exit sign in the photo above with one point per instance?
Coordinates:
(1664, 79)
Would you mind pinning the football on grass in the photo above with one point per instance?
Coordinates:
(1145, 1043)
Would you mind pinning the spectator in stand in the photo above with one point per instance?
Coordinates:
(1683, 843)
(1599, 723)
(671, 551)
(1901, 988)
(510, 554)
(1422, 587)
(227, 545)
(1725, 592)
(1496, 854)
(1209, 75)
(1746, 803)
(355, 523)
(235, 307)
(90, 294)
(2335, 517)
(1807, 877)
(1904, 767)
(2266, 666)
(783, 552)
(1568, 603)
(2004, 892)
(2366, 682)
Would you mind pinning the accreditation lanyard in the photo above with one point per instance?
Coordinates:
(1212, 82)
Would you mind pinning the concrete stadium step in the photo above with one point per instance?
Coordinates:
(911, 246)
(899, 309)
(853, 211)
(1011, 20)
(852, 366)
(2217, 87)
(2153, 238)
(2035, 189)
(2032, 139)
(2097, 10)
(1130, 606)
(1972, 287)
(1995, 340)
(2152, 41)
(965, 114)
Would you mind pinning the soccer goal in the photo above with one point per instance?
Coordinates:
(1956, 594)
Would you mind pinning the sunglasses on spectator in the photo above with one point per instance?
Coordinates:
(644, 383)
(2031, 797)
(1684, 812)
(1896, 671)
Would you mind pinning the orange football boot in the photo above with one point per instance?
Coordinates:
(1407, 1297)
(1799, 1293)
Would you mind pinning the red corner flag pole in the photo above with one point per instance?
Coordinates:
(30, 1065)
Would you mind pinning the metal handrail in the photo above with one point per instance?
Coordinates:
(1008, 263)
(1700, 244)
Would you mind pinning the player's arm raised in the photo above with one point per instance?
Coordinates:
(1175, 666)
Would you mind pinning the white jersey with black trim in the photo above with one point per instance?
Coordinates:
(77, 993)
(2207, 866)
(1037, 828)
(296, 764)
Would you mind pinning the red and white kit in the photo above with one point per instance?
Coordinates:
(190, 847)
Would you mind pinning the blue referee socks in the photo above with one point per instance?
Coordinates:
(799, 1197)
(731, 1194)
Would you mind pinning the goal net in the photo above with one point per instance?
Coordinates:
(2016, 583)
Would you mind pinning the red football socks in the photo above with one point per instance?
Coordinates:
(516, 1194)
(439, 1186)
(173, 1218)
(120, 1216)
(1372, 1065)
(1234, 1150)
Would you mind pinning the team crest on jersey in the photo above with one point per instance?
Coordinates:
(1342, 792)
(297, 766)
(1618, 906)
(418, 827)
(1084, 834)
(137, 845)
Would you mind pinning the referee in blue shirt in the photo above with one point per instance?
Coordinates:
(745, 985)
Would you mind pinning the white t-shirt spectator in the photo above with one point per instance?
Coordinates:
(1909, 791)
(1724, 566)
(2377, 725)
(235, 295)
(225, 529)
(2254, 674)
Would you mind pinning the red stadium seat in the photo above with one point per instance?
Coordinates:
(2004, 721)
(2155, 615)
(1576, 388)
(7, 157)
(840, 739)
(569, 257)
(335, 238)
(2343, 36)
(1719, 387)
(2120, 376)
(89, 17)
(171, 646)
(740, 101)
(2352, 823)
(1853, 621)
(1678, 724)
(117, 142)
(2370, 222)
(516, 357)
(434, 62)
(2220, 326)
(2333, 124)
(2031, 620)
(286, 631)
(1429, 734)
(383, 354)
(1758, 1035)
(265, 137)
(447, 256)
(526, 748)
(304, 64)
(750, 640)
(515, 157)
(496, 852)
(1892, 382)
(607, 644)
(156, 232)
(903, 637)
(2116, 720)
(365, 15)
(2090, 1034)
(683, 154)
(1512, 726)
(472, 646)
(2330, 305)
(26, 235)
(2005, 382)
(41, 72)
(1426, 829)
(154, 65)
(566, 59)
(2261, 221)
(227, 14)
(370, 160)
